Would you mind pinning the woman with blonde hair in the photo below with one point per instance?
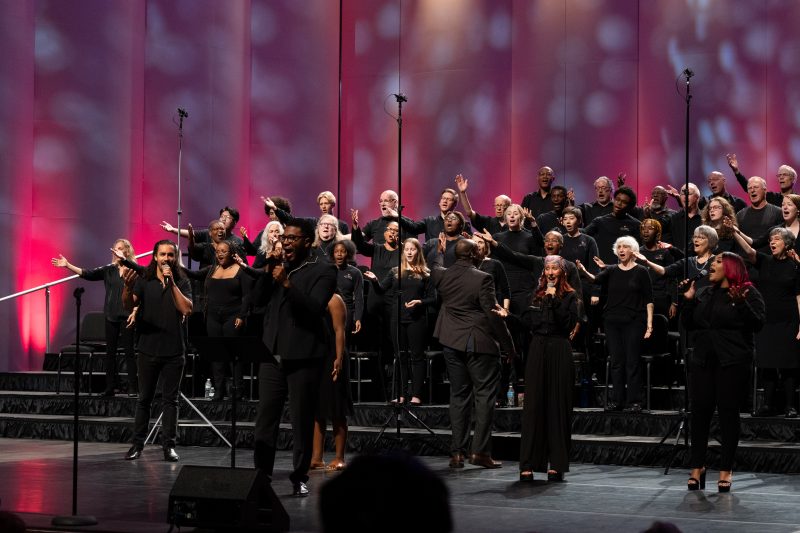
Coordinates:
(326, 235)
(119, 323)
(417, 293)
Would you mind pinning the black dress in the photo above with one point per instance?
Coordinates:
(335, 398)
(549, 380)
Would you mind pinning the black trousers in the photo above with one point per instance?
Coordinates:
(624, 341)
(547, 414)
(473, 382)
(299, 380)
(722, 388)
(118, 335)
(413, 340)
(220, 323)
(170, 370)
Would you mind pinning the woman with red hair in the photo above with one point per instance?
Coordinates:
(549, 375)
(724, 318)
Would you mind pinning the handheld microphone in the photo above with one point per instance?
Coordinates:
(694, 278)
(77, 292)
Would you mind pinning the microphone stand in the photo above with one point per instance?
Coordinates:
(75, 519)
(182, 114)
(397, 383)
(681, 425)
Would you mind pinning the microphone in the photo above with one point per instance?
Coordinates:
(77, 292)
(694, 278)
(550, 285)
(400, 97)
(688, 73)
(182, 113)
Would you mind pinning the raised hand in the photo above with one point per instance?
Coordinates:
(238, 260)
(621, 177)
(461, 183)
(442, 242)
(279, 273)
(354, 217)
(60, 261)
(268, 202)
(243, 232)
(486, 236)
(370, 275)
(599, 262)
(130, 277)
(166, 226)
(238, 323)
(119, 255)
(738, 294)
(733, 162)
(571, 196)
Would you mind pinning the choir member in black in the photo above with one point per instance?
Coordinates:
(349, 285)
(787, 176)
(335, 402)
(227, 290)
(518, 239)
(325, 236)
(496, 223)
(704, 241)
(266, 240)
(604, 190)
(716, 183)
(678, 221)
(551, 220)
(777, 346)
(417, 292)
(608, 228)
(297, 335)
(760, 216)
(453, 232)
(227, 215)
(326, 202)
(662, 254)
(628, 319)
(790, 219)
(724, 317)
(433, 225)
(657, 209)
(163, 296)
(549, 375)
(578, 246)
(119, 331)
(719, 214)
(494, 268)
(204, 252)
(539, 201)
(375, 230)
(274, 204)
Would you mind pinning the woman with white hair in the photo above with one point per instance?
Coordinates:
(628, 319)
(704, 241)
(326, 235)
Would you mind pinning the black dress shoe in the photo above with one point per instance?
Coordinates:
(791, 412)
(485, 460)
(134, 453)
(170, 455)
(457, 460)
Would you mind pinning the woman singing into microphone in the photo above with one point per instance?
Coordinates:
(549, 376)
(724, 318)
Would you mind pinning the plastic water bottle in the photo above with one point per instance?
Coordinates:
(510, 395)
(208, 392)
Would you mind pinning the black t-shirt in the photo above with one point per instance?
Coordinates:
(607, 229)
(158, 322)
(629, 292)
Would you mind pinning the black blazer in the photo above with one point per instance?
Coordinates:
(295, 324)
(467, 296)
(723, 327)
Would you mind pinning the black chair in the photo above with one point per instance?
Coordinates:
(657, 347)
(356, 359)
(432, 356)
(92, 340)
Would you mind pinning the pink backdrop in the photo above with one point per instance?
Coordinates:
(496, 88)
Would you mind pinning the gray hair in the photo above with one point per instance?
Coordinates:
(267, 246)
(790, 170)
(786, 235)
(626, 240)
(709, 233)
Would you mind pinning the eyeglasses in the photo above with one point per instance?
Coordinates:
(714, 207)
(290, 238)
(552, 240)
(326, 225)
(778, 175)
(392, 230)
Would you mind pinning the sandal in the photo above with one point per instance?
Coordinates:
(335, 466)
(526, 475)
(724, 485)
(552, 475)
(695, 483)
(317, 465)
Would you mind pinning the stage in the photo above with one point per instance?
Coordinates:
(131, 497)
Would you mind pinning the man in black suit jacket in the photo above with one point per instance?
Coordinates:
(296, 330)
(469, 331)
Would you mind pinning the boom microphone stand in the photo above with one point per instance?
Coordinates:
(182, 114)
(75, 519)
(681, 425)
(397, 385)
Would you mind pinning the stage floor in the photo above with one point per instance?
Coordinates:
(132, 496)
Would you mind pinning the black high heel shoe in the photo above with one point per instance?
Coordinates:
(552, 475)
(724, 485)
(526, 476)
(697, 484)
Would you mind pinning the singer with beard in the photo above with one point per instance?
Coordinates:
(549, 375)
(297, 333)
(163, 297)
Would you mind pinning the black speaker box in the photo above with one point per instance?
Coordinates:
(233, 499)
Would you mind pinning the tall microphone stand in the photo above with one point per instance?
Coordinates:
(182, 114)
(75, 519)
(397, 384)
(681, 425)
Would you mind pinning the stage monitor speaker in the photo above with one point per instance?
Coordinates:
(234, 499)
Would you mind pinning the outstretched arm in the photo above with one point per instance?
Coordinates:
(62, 262)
